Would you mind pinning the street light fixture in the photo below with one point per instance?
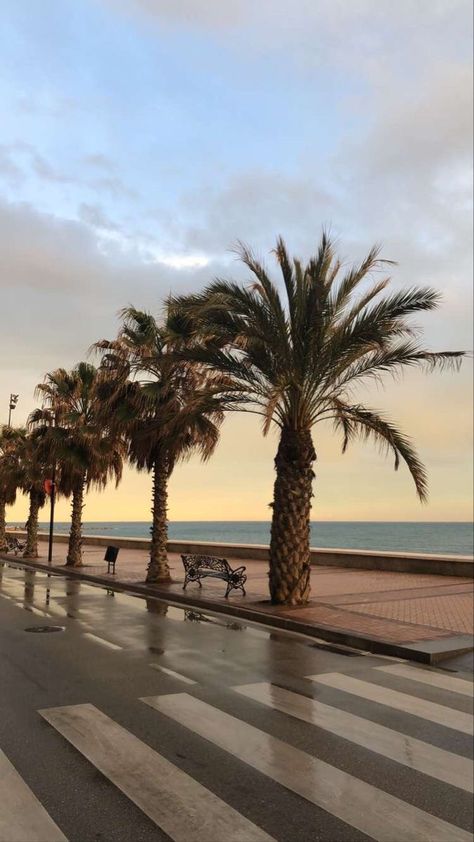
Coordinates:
(12, 405)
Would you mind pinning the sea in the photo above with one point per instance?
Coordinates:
(393, 536)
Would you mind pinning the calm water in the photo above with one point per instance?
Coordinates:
(438, 538)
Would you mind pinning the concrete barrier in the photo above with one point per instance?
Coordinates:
(447, 565)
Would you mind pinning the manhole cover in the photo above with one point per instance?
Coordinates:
(44, 629)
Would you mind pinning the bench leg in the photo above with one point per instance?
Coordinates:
(186, 582)
(231, 586)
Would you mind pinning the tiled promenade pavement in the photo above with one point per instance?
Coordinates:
(394, 607)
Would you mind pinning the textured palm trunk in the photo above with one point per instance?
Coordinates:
(3, 524)
(74, 553)
(289, 543)
(31, 548)
(158, 570)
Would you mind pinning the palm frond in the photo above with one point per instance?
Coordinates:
(291, 359)
(359, 421)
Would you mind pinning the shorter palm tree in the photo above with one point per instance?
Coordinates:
(166, 409)
(76, 435)
(9, 479)
(31, 473)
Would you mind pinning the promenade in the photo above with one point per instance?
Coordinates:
(419, 616)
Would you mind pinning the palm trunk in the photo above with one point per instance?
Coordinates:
(31, 549)
(3, 524)
(74, 552)
(158, 570)
(289, 543)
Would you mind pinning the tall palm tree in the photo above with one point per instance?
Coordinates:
(295, 357)
(9, 479)
(167, 409)
(77, 436)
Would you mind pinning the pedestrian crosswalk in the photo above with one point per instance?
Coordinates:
(183, 805)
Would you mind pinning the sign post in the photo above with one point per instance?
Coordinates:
(50, 488)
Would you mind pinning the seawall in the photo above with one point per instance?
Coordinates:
(446, 565)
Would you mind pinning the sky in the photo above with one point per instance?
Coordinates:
(141, 138)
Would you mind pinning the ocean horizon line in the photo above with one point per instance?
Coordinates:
(251, 520)
(438, 537)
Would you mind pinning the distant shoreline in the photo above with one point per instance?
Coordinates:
(436, 537)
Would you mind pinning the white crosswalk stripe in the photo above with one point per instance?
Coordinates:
(440, 714)
(372, 811)
(406, 750)
(434, 679)
(173, 674)
(182, 807)
(22, 817)
(101, 641)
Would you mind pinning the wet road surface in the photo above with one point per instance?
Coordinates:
(144, 721)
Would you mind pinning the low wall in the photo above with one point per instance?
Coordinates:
(447, 565)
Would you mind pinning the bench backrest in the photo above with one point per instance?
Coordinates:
(208, 562)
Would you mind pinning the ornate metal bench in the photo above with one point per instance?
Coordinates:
(197, 567)
(14, 545)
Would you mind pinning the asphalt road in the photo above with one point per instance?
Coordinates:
(279, 738)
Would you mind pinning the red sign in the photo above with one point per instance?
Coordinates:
(48, 486)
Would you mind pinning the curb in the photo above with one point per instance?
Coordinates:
(425, 651)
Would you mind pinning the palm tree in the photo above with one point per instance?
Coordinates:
(295, 359)
(76, 434)
(9, 479)
(31, 475)
(167, 409)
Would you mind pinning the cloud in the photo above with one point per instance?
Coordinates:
(95, 172)
(62, 284)
(252, 206)
(47, 103)
(109, 184)
(367, 34)
(408, 180)
(211, 13)
(404, 179)
(417, 154)
(95, 215)
(47, 172)
(99, 161)
(41, 251)
(10, 172)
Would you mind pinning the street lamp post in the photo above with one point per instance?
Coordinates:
(52, 497)
(11, 406)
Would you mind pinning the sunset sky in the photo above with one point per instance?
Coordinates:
(141, 138)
